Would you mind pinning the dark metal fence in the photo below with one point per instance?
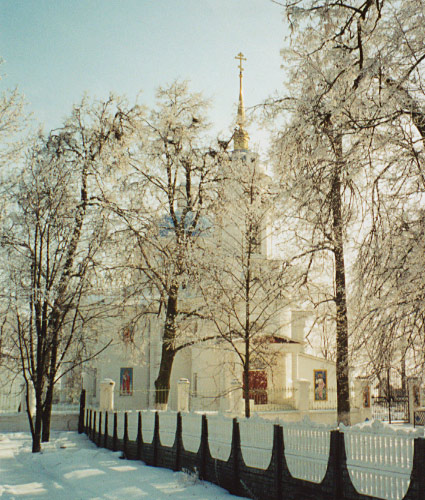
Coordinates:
(390, 409)
(273, 483)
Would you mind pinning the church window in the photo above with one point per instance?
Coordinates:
(94, 381)
(195, 384)
(128, 334)
(255, 238)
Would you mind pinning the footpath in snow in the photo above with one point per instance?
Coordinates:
(70, 467)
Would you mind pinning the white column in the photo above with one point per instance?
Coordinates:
(302, 398)
(362, 404)
(106, 400)
(183, 391)
(236, 400)
(414, 389)
(294, 373)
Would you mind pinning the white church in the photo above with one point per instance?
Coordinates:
(210, 370)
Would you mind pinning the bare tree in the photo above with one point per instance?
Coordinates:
(245, 289)
(357, 83)
(170, 186)
(52, 238)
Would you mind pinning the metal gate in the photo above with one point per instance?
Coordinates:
(391, 409)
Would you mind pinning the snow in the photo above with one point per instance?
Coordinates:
(71, 467)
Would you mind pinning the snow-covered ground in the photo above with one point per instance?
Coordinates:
(70, 467)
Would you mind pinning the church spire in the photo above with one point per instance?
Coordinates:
(240, 137)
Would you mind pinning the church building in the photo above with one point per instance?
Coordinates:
(212, 369)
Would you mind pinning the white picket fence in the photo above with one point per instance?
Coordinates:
(148, 426)
(191, 431)
(167, 427)
(380, 458)
(256, 441)
(220, 436)
(133, 425)
(307, 446)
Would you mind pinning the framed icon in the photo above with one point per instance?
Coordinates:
(366, 396)
(126, 381)
(320, 385)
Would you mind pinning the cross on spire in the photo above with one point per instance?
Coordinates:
(241, 138)
(241, 58)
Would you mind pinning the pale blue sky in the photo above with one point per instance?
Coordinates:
(55, 50)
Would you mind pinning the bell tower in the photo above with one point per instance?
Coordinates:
(240, 136)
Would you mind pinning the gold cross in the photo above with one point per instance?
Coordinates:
(241, 58)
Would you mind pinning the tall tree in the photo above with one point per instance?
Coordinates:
(245, 289)
(359, 63)
(12, 121)
(52, 237)
(170, 187)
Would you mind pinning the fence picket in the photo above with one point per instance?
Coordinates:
(379, 459)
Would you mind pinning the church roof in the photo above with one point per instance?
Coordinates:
(280, 339)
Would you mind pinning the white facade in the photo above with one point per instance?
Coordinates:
(212, 368)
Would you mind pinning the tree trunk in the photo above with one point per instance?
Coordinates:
(36, 437)
(342, 365)
(246, 391)
(48, 401)
(47, 414)
(168, 353)
(162, 382)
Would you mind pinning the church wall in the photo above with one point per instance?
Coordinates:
(182, 368)
(307, 364)
(110, 367)
(214, 373)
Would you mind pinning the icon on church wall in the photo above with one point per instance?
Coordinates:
(126, 381)
(366, 397)
(320, 385)
(416, 396)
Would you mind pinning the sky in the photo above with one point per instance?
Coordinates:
(57, 50)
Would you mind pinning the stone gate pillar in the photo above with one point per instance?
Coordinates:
(106, 400)
(183, 394)
(414, 390)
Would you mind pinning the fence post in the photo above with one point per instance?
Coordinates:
(336, 456)
(115, 437)
(139, 437)
(99, 437)
(417, 477)
(414, 398)
(82, 411)
(420, 460)
(278, 451)
(90, 421)
(236, 453)
(86, 427)
(183, 390)
(203, 448)
(178, 441)
(156, 440)
(105, 434)
(125, 437)
(106, 398)
(93, 430)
